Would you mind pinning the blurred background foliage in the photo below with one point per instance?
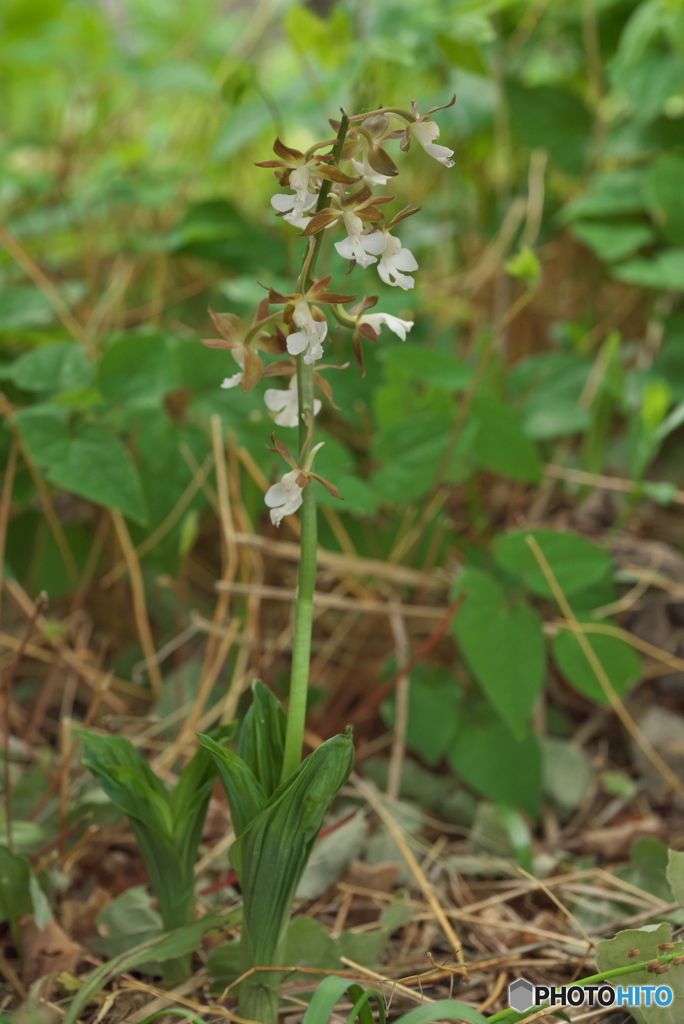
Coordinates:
(129, 203)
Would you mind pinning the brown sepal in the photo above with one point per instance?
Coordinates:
(362, 196)
(285, 153)
(358, 353)
(325, 387)
(262, 310)
(368, 332)
(367, 302)
(253, 370)
(228, 325)
(380, 160)
(334, 297)
(269, 163)
(273, 295)
(408, 211)
(326, 483)
(320, 220)
(283, 451)
(370, 214)
(333, 173)
(445, 106)
(219, 343)
(281, 368)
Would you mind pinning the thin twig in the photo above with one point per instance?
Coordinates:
(142, 621)
(601, 675)
(401, 712)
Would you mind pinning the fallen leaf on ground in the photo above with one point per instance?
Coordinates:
(616, 841)
(47, 950)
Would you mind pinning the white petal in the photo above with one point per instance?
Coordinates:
(296, 220)
(297, 342)
(345, 248)
(317, 406)
(276, 399)
(232, 382)
(396, 324)
(405, 260)
(375, 243)
(289, 417)
(282, 202)
(426, 132)
(371, 176)
(276, 495)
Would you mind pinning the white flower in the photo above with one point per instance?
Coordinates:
(367, 172)
(285, 497)
(287, 402)
(309, 338)
(296, 206)
(396, 324)
(239, 357)
(357, 246)
(426, 132)
(394, 260)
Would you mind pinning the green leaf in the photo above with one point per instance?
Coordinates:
(428, 366)
(272, 852)
(663, 191)
(575, 561)
(138, 369)
(567, 772)
(612, 953)
(665, 270)
(245, 793)
(442, 1009)
(553, 119)
(525, 266)
(262, 737)
(612, 241)
(490, 759)
(15, 891)
(413, 451)
(127, 921)
(435, 700)
(98, 467)
(45, 432)
(619, 659)
(168, 826)
(610, 193)
(503, 645)
(499, 443)
(62, 366)
(328, 38)
(24, 306)
(675, 874)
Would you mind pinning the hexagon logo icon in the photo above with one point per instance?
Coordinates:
(521, 995)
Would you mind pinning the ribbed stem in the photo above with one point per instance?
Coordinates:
(301, 644)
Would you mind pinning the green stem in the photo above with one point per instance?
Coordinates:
(301, 644)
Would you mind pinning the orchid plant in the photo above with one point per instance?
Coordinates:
(277, 801)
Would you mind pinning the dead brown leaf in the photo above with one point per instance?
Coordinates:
(382, 877)
(47, 950)
(615, 842)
